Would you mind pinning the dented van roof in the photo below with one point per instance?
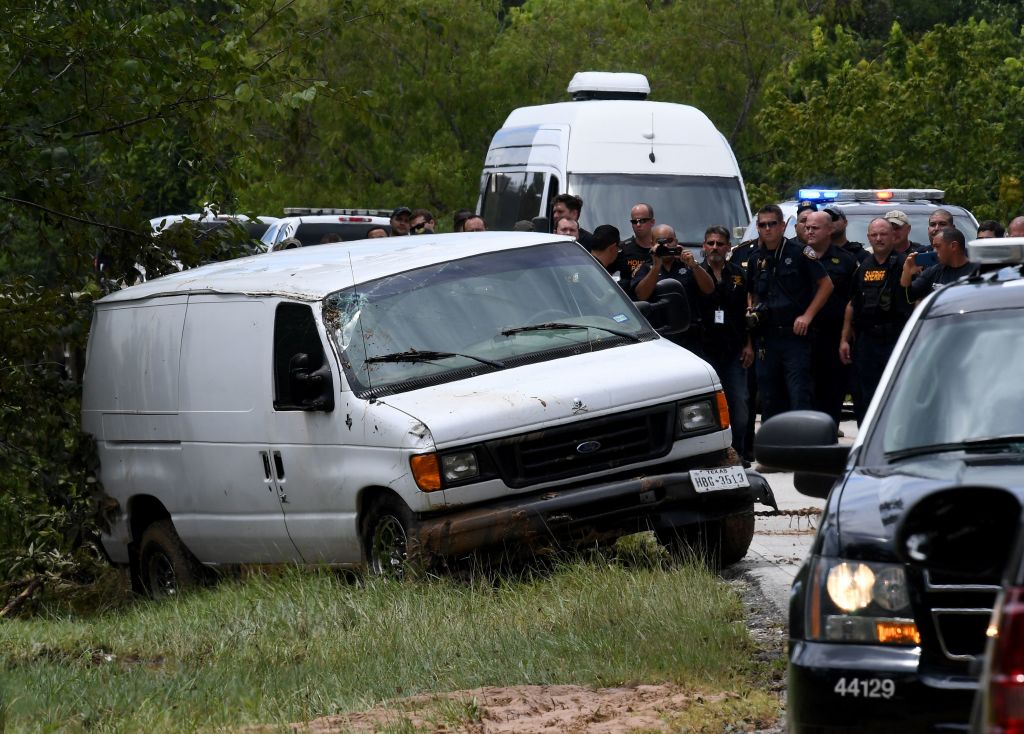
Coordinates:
(311, 273)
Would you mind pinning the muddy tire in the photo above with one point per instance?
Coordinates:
(166, 567)
(388, 541)
(734, 536)
(716, 543)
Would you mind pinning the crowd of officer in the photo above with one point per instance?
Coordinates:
(787, 323)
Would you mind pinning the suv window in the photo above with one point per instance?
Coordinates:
(960, 388)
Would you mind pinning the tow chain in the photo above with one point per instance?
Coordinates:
(813, 512)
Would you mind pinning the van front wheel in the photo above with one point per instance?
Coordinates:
(390, 547)
(166, 566)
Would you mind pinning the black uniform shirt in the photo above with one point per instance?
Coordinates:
(785, 280)
(840, 267)
(937, 275)
(634, 256)
(857, 250)
(877, 300)
(730, 298)
(684, 275)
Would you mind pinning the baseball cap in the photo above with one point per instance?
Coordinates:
(604, 236)
(805, 205)
(400, 210)
(835, 212)
(897, 217)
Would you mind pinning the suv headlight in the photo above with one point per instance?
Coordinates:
(860, 601)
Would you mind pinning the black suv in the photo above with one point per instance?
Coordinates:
(876, 645)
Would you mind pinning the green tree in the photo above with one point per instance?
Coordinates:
(940, 112)
(112, 111)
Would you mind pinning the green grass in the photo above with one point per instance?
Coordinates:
(297, 645)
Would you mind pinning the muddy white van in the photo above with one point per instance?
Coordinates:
(614, 147)
(401, 401)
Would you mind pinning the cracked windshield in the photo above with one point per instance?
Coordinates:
(482, 313)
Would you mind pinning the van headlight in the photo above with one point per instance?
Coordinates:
(860, 601)
(460, 466)
(708, 413)
(435, 471)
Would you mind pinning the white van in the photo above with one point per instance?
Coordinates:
(614, 148)
(403, 400)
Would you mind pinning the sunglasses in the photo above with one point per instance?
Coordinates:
(714, 243)
(640, 220)
(767, 225)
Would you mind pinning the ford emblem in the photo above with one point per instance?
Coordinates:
(588, 447)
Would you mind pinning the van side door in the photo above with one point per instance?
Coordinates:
(313, 440)
(230, 505)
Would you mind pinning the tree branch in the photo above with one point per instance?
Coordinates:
(72, 217)
(21, 598)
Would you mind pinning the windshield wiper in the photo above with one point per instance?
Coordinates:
(990, 444)
(551, 325)
(426, 355)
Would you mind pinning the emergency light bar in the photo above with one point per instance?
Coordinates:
(305, 211)
(997, 251)
(870, 195)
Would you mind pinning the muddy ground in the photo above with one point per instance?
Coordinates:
(564, 708)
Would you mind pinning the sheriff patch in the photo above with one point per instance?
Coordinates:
(809, 253)
(873, 276)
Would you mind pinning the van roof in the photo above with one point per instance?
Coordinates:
(311, 273)
(618, 135)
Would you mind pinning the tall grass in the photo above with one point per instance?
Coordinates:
(299, 644)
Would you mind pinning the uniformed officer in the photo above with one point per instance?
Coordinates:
(727, 345)
(875, 315)
(788, 287)
(830, 376)
(679, 265)
(636, 251)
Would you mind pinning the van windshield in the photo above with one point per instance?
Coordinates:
(690, 204)
(476, 315)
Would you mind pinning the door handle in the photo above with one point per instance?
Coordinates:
(266, 464)
(279, 466)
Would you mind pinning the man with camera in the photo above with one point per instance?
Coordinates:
(788, 287)
(923, 272)
(875, 315)
(669, 259)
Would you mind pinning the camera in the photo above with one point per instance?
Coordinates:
(662, 248)
(756, 317)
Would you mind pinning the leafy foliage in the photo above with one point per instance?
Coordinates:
(110, 110)
(939, 112)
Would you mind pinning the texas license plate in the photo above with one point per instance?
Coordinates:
(726, 477)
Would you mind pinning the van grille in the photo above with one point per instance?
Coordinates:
(584, 447)
(959, 610)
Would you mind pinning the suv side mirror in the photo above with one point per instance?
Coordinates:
(969, 530)
(311, 389)
(668, 310)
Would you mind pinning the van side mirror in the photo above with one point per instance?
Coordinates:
(738, 231)
(966, 530)
(311, 389)
(668, 310)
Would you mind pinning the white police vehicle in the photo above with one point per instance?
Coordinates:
(862, 205)
(310, 225)
(876, 645)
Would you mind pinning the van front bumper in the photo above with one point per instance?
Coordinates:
(842, 688)
(585, 514)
